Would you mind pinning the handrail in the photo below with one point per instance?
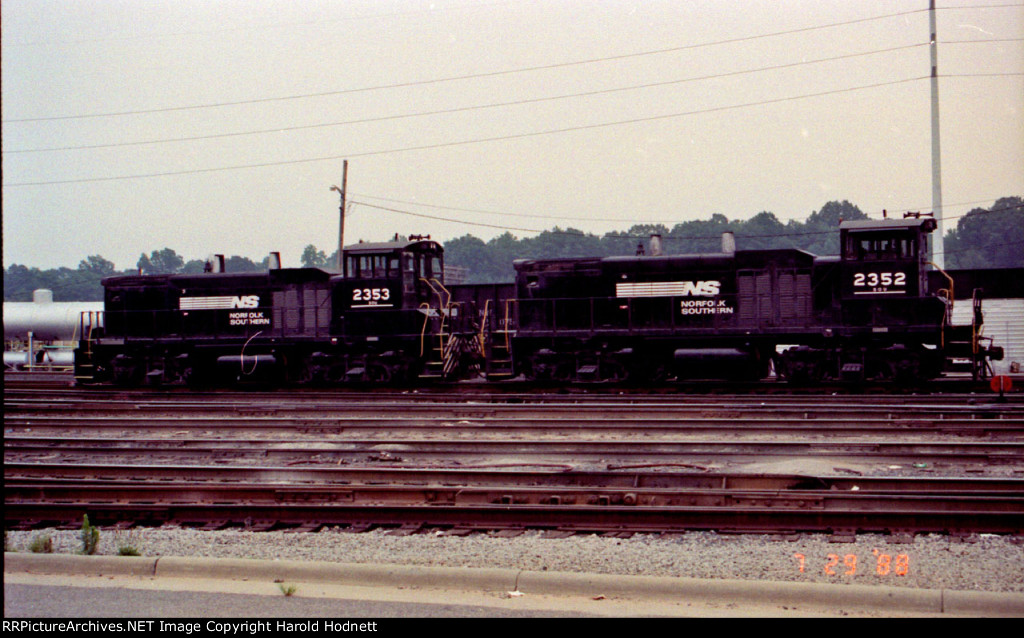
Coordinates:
(444, 306)
(947, 318)
(483, 324)
(423, 332)
(975, 314)
(509, 303)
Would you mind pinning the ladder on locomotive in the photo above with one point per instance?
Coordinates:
(442, 359)
(496, 342)
(963, 344)
(88, 322)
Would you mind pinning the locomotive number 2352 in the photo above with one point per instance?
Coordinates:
(884, 279)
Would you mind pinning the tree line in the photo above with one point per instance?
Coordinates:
(983, 238)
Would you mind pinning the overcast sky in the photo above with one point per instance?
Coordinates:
(212, 126)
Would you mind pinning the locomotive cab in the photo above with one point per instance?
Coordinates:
(391, 313)
(884, 281)
(395, 275)
(885, 258)
(890, 325)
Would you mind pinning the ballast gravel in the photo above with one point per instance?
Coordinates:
(979, 563)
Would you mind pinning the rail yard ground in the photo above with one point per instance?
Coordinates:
(895, 560)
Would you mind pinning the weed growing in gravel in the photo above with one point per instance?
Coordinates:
(42, 544)
(90, 537)
(287, 589)
(128, 543)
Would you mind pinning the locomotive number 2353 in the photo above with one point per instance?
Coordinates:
(371, 294)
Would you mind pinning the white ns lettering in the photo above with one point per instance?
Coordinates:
(701, 288)
(248, 301)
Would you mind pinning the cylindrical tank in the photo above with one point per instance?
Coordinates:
(46, 319)
(43, 358)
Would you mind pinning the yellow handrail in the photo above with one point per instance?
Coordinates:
(423, 332)
(444, 306)
(509, 303)
(483, 325)
(950, 297)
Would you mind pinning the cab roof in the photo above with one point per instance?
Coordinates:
(926, 224)
(415, 245)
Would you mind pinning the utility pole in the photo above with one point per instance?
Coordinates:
(341, 215)
(938, 254)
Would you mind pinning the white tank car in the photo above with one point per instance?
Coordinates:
(46, 321)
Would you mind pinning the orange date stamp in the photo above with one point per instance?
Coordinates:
(847, 564)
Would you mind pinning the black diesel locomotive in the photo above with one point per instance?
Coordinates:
(867, 314)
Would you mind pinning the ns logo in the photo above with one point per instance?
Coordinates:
(701, 288)
(247, 301)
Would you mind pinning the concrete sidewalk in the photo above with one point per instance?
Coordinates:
(826, 598)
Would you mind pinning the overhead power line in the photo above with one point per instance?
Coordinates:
(675, 237)
(517, 102)
(559, 218)
(476, 107)
(469, 76)
(498, 138)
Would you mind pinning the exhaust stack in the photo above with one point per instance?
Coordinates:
(655, 245)
(729, 243)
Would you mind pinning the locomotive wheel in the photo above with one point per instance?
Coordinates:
(800, 366)
(302, 373)
(906, 370)
(127, 372)
(614, 371)
(378, 373)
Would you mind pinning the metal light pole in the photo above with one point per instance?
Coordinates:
(938, 256)
(341, 215)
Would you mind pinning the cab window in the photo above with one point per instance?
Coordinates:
(879, 247)
(372, 266)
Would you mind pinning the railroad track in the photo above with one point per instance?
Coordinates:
(612, 463)
(570, 502)
(962, 384)
(559, 450)
(1006, 426)
(610, 408)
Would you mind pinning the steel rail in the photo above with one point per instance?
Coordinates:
(390, 424)
(15, 399)
(561, 445)
(963, 385)
(896, 516)
(377, 451)
(17, 493)
(106, 476)
(481, 499)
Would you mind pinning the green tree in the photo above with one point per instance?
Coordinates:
(992, 238)
(313, 258)
(235, 263)
(194, 267)
(97, 265)
(160, 262)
